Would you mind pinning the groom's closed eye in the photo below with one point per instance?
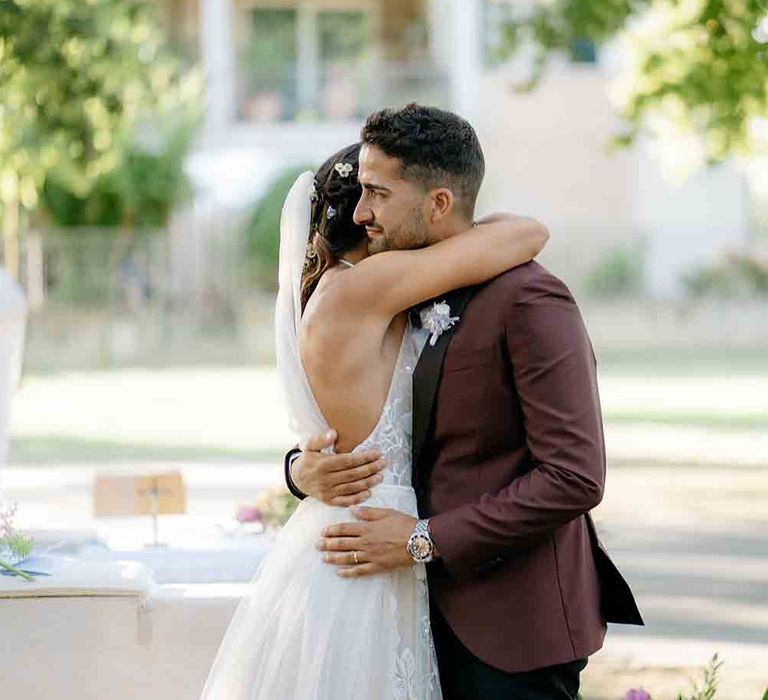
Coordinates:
(376, 189)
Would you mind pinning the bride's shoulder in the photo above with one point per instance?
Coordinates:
(323, 311)
(344, 297)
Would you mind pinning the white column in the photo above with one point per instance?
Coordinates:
(465, 58)
(13, 317)
(219, 61)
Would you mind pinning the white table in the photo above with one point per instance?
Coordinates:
(106, 630)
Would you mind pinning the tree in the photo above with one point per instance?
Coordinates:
(699, 64)
(75, 77)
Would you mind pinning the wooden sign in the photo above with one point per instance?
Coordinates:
(156, 494)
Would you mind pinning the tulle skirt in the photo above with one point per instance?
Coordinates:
(304, 633)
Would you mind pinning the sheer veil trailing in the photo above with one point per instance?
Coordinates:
(305, 417)
(248, 663)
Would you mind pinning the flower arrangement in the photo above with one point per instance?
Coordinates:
(14, 547)
(271, 509)
(706, 692)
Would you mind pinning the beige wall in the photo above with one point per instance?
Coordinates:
(546, 156)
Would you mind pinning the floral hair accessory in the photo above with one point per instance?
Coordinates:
(313, 195)
(343, 169)
(331, 212)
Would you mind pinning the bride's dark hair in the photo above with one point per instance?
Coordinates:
(332, 232)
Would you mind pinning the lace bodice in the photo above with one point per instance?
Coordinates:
(393, 433)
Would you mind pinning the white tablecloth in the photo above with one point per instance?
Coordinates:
(104, 630)
(70, 576)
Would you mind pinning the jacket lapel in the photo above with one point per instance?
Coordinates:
(426, 376)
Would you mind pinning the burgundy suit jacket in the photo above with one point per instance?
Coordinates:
(508, 460)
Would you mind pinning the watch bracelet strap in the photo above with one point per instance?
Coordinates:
(422, 528)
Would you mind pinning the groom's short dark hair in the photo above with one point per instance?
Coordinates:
(436, 149)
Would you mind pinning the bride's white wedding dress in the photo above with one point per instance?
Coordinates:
(304, 633)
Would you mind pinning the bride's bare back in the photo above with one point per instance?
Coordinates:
(349, 360)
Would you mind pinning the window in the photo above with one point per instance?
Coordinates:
(267, 66)
(583, 51)
(331, 60)
(343, 64)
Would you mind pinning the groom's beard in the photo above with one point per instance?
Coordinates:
(412, 235)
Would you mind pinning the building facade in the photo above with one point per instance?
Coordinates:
(290, 81)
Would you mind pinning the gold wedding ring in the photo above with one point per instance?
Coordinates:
(355, 557)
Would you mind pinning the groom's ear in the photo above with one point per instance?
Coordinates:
(441, 204)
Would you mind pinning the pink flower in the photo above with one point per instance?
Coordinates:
(249, 514)
(6, 520)
(637, 694)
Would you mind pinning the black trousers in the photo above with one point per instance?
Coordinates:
(464, 677)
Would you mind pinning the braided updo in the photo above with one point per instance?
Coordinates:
(332, 230)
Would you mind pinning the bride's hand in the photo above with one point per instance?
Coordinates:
(336, 479)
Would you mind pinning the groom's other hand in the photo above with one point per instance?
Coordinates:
(377, 543)
(336, 479)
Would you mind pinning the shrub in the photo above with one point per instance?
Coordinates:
(737, 275)
(619, 273)
(148, 182)
(262, 233)
(706, 691)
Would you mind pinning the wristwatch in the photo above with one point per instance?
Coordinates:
(420, 544)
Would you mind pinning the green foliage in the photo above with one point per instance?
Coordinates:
(696, 64)
(738, 275)
(141, 191)
(618, 274)
(18, 545)
(554, 27)
(709, 688)
(75, 76)
(263, 230)
(98, 267)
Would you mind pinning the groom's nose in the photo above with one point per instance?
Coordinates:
(362, 215)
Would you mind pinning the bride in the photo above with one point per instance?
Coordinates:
(345, 358)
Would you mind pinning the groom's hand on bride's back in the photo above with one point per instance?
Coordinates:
(342, 479)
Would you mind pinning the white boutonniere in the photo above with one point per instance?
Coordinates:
(437, 319)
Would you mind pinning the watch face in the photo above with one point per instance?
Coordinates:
(420, 547)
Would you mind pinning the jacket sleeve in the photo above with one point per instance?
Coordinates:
(555, 377)
(290, 457)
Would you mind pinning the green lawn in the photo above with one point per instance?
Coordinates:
(699, 419)
(237, 413)
(685, 362)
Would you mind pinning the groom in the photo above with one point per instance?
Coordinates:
(508, 451)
